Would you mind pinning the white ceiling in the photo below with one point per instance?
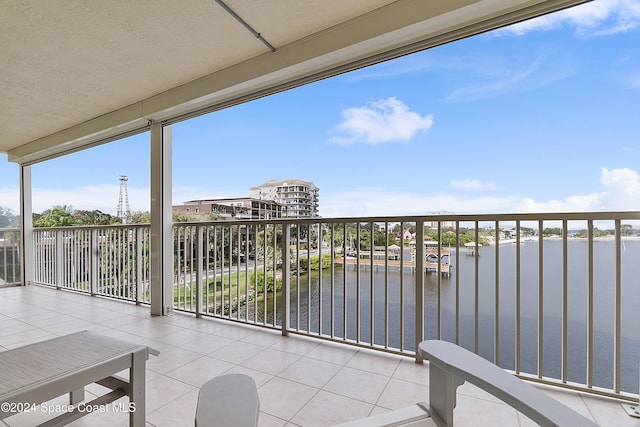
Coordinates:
(78, 72)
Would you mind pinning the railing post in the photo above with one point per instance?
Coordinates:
(27, 236)
(199, 269)
(59, 257)
(94, 254)
(161, 234)
(286, 265)
(419, 263)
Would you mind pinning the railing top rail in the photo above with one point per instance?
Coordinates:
(90, 227)
(9, 229)
(545, 216)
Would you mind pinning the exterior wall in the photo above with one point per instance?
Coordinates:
(300, 199)
(231, 209)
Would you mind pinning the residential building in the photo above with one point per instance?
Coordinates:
(445, 225)
(299, 198)
(233, 208)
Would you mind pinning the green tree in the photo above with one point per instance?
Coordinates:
(57, 216)
(95, 217)
(139, 217)
(552, 231)
(265, 240)
(7, 218)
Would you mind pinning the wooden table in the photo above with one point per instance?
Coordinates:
(39, 372)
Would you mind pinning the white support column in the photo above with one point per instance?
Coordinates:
(161, 262)
(27, 259)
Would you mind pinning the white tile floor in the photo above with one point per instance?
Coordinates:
(301, 381)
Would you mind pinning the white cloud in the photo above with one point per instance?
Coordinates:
(100, 197)
(585, 203)
(472, 184)
(387, 202)
(631, 79)
(383, 121)
(597, 18)
(621, 188)
(536, 74)
(10, 198)
(620, 192)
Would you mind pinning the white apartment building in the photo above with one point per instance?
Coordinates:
(298, 198)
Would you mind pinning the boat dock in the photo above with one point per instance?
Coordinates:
(393, 261)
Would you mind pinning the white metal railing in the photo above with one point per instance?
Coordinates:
(9, 256)
(550, 297)
(110, 261)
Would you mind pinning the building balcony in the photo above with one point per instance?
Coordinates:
(333, 344)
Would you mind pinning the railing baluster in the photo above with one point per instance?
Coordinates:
(402, 343)
(298, 253)
(344, 282)
(59, 242)
(617, 308)
(255, 275)
(372, 263)
(239, 246)
(540, 298)
(565, 305)
(332, 287)
(286, 277)
(264, 276)
(308, 278)
(518, 297)
(215, 270)
(496, 325)
(457, 264)
(246, 272)
(275, 277)
(139, 275)
(358, 251)
(590, 307)
(93, 253)
(319, 278)
(419, 288)
(439, 283)
(477, 286)
(386, 284)
(199, 269)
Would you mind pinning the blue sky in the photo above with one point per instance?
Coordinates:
(541, 116)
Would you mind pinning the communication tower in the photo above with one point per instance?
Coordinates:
(123, 200)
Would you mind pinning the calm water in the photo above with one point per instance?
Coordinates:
(387, 288)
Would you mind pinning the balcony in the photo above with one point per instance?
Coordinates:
(556, 310)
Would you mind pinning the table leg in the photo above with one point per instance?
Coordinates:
(76, 396)
(137, 380)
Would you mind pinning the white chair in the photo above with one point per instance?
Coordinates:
(228, 400)
(449, 367)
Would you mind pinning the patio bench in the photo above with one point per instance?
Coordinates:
(228, 400)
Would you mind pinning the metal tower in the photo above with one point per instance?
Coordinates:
(123, 200)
